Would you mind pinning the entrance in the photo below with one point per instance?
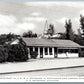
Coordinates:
(55, 52)
(48, 52)
(41, 52)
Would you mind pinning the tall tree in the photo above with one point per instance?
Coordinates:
(69, 31)
(51, 30)
(82, 24)
(82, 21)
(80, 37)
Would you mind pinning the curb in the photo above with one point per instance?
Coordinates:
(42, 69)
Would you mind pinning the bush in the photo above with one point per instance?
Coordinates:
(34, 54)
(18, 52)
(3, 54)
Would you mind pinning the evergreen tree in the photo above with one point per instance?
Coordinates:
(82, 24)
(82, 21)
(69, 31)
(80, 38)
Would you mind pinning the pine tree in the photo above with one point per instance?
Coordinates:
(82, 24)
(69, 31)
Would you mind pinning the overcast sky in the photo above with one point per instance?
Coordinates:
(19, 17)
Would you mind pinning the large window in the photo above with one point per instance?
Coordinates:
(46, 51)
(55, 49)
(50, 51)
(41, 51)
(68, 50)
(36, 49)
(60, 51)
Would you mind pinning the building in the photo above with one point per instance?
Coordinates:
(52, 48)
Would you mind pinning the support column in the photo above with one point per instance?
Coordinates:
(57, 52)
(53, 52)
(33, 48)
(48, 51)
(29, 52)
(38, 52)
(79, 52)
(43, 51)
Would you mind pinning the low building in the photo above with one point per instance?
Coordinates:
(52, 48)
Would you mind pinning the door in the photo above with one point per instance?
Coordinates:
(48, 52)
(41, 52)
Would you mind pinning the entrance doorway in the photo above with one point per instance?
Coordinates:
(41, 52)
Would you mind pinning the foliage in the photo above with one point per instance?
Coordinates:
(7, 37)
(3, 54)
(18, 52)
(78, 38)
(82, 25)
(51, 30)
(82, 21)
(29, 34)
(62, 36)
(69, 31)
(34, 54)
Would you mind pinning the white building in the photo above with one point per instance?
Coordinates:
(52, 48)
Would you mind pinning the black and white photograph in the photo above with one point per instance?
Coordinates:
(42, 38)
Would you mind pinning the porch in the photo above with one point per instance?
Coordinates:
(54, 52)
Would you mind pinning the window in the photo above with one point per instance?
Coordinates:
(41, 51)
(50, 51)
(76, 50)
(60, 51)
(82, 49)
(46, 51)
(55, 49)
(73, 50)
(36, 49)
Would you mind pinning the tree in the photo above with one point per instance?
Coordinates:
(18, 52)
(69, 31)
(7, 37)
(82, 24)
(62, 36)
(80, 37)
(29, 34)
(51, 30)
(82, 21)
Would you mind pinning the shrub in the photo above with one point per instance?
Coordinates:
(18, 52)
(34, 54)
(3, 54)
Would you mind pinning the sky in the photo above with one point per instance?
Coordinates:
(20, 17)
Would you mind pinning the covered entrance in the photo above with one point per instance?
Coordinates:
(47, 52)
(54, 52)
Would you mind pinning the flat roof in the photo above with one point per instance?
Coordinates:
(50, 43)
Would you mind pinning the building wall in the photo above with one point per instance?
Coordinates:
(51, 52)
